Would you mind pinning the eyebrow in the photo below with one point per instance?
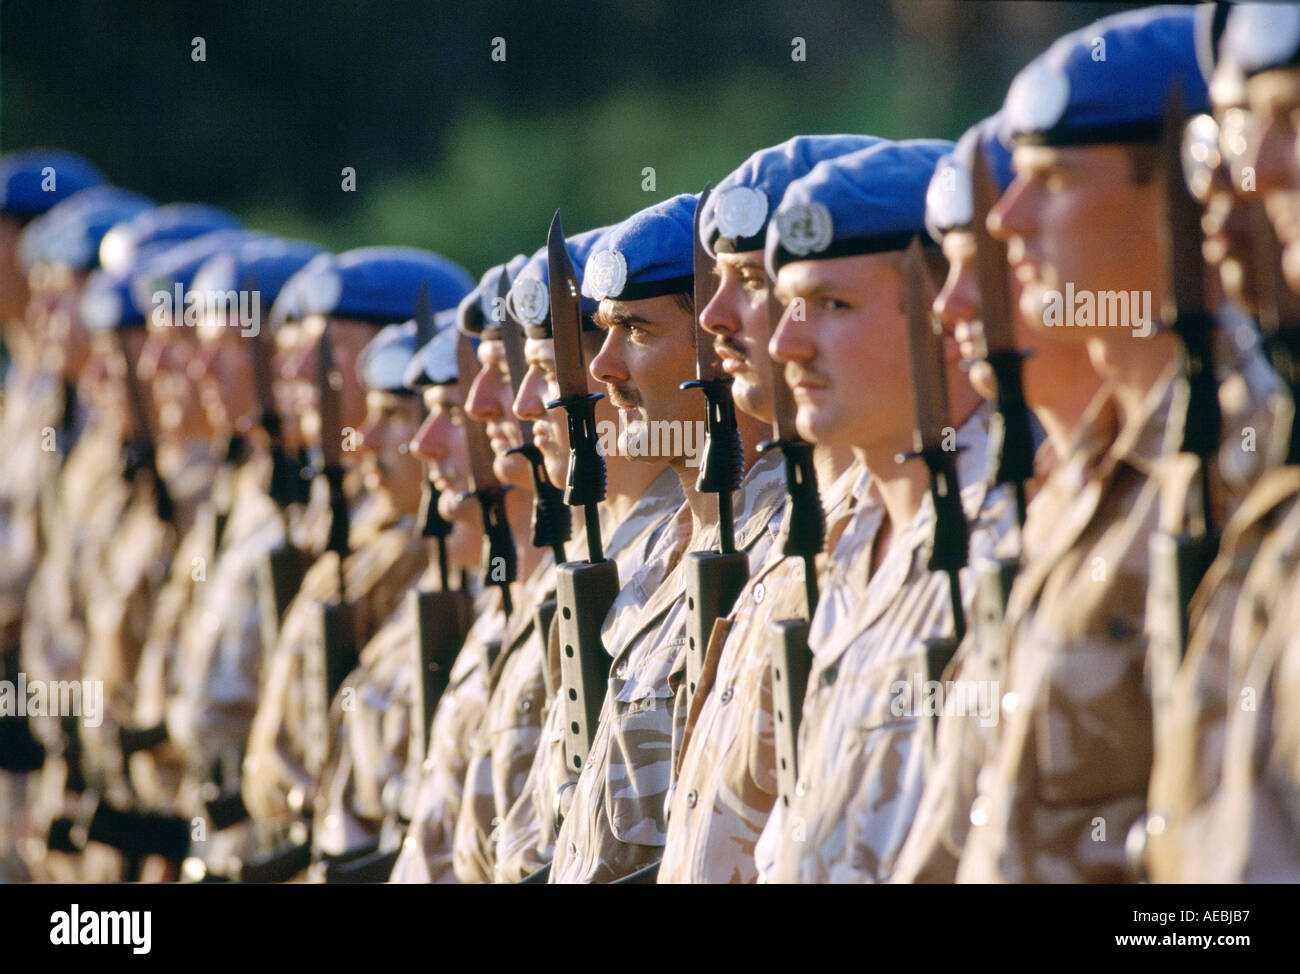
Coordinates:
(617, 316)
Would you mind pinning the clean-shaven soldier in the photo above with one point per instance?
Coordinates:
(1251, 823)
(727, 774)
(438, 785)
(835, 251)
(1083, 217)
(640, 497)
(642, 273)
(352, 295)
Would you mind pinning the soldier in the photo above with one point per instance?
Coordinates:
(437, 786)
(1045, 377)
(640, 498)
(833, 249)
(727, 776)
(343, 298)
(1249, 823)
(1083, 215)
(641, 272)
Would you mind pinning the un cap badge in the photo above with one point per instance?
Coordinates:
(741, 212)
(1037, 99)
(321, 292)
(529, 300)
(804, 228)
(606, 274)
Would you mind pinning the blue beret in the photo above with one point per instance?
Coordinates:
(435, 364)
(174, 267)
(736, 216)
(288, 305)
(267, 262)
(478, 315)
(650, 254)
(379, 284)
(152, 230)
(530, 295)
(382, 364)
(69, 234)
(948, 201)
(863, 203)
(1108, 82)
(1261, 36)
(34, 180)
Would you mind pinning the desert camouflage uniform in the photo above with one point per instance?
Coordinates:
(726, 783)
(616, 825)
(525, 840)
(1070, 774)
(862, 762)
(385, 560)
(426, 855)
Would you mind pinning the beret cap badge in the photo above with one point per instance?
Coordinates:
(741, 211)
(530, 300)
(805, 228)
(1037, 99)
(606, 274)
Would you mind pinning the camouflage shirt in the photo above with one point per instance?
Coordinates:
(616, 823)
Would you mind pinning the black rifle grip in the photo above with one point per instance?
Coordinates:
(722, 465)
(804, 528)
(586, 483)
(791, 664)
(227, 808)
(280, 866)
(1014, 462)
(713, 582)
(134, 739)
(585, 593)
(140, 833)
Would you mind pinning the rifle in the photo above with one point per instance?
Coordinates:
(584, 591)
(141, 449)
(1179, 562)
(950, 542)
(1011, 443)
(714, 579)
(803, 532)
(500, 564)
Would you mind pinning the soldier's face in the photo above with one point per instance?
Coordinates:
(737, 318)
(384, 440)
(1074, 216)
(170, 364)
(551, 426)
(491, 402)
(846, 360)
(52, 315)
(300, 369)
(440, 442)
(1273, 98)
(292, 398)
(648, 352)
(13, 283)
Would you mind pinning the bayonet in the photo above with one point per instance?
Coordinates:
(552, 518)
(933, 441)
(584, 592)
(714, 579)
(500, 566)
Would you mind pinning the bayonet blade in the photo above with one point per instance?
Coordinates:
(512, 337)
(991, 263)
(929, 388)
(566, 315)
(424, 326)
(329, 384)
(708, 367)
(783, 407)
(1184, 263)
(480, 450)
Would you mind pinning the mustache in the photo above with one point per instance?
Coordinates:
(622, 395)
(730, 343)
(796, 373)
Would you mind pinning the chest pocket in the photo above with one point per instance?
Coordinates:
(1093, 729)
(640, 749)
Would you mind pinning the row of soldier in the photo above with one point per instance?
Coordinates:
(308, 519)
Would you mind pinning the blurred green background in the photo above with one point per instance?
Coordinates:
(468, 155)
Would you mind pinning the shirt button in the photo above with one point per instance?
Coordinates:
(829, 676)
(727, 694)
(1010, 701)
(525, 705)
(979, 811)
(801, 786)
(760, 592)
(691, 798)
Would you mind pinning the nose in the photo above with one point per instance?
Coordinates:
(529, 404)
(1009, 220)
(368, 435)
(958, 301)
(482, 404)
(719, 315)
(791, 340)
(146, 366)
(608, 365)
(1273, 159)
